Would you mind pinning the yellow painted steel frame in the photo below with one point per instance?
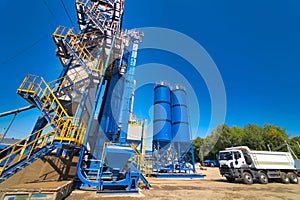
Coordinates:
(85, 3)
(66, 80)
(143, 165)
(19, 147)
(77, 44)
(68, 128)
(104, 147)
(41, 140)
(36, 86)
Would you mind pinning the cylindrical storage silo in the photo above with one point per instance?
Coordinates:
(162, 125)
(180, 123)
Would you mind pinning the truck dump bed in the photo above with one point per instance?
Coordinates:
(268, 159)
(272, 160)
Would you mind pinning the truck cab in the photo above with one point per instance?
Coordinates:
(231, 161)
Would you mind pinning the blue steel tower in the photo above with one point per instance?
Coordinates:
(85, 111)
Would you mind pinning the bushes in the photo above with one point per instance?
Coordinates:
(254, 136)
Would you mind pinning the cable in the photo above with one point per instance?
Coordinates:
(63, 4)
(8, 127)
(22, 51)
(33, 44)
(50, 11)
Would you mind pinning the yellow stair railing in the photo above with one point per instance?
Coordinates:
(18, 149)
(68, 80)
(63, 32)
(72, 133)
(73, 40)
(88, 4)
(143, 164)
(42, 137)
(77, 44)
(103, 150)
(36, 86)
(93, 9)
(68, 128)
(84, 2)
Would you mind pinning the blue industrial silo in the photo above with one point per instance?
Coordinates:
(180, 122)
(182, 143)
(162, 125)
(172, 146)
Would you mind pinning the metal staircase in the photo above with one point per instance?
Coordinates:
(37, 92)
(77, 46)
(142, 165)
(62, 130)
(26, 151)
(88, 11)
(68, 122)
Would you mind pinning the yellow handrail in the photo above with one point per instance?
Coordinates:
(41, 140)
(66, 126)
(143, 165)
(76, 44)
(43, 93)
(21, 145)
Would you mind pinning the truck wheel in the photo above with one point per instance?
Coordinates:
(247, 178)
(284, 178)
(293, 177)
(230, 179)
(263, 178)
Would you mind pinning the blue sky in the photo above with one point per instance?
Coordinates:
(255, 45)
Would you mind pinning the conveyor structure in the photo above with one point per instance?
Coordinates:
(86, 110)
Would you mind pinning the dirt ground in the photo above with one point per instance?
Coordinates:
(45, 174)
(212, 187)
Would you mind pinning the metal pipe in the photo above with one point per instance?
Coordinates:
(132, 102)
(269, 147)
(8, 127)
(16, 111)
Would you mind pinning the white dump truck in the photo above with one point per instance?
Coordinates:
(248, 165)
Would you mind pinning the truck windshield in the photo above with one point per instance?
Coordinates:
(225, 156)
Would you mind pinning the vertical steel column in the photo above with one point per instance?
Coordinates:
(128, 85)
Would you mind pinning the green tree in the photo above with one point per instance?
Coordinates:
(296, 139)
(236, 135)
(197, 143)
(295, 145)
(216, 141)
(254, 137)
(275, 137)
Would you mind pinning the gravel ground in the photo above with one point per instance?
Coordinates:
(212, 187)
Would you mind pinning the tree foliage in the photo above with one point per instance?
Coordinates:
(255, 137)
(197, 144)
